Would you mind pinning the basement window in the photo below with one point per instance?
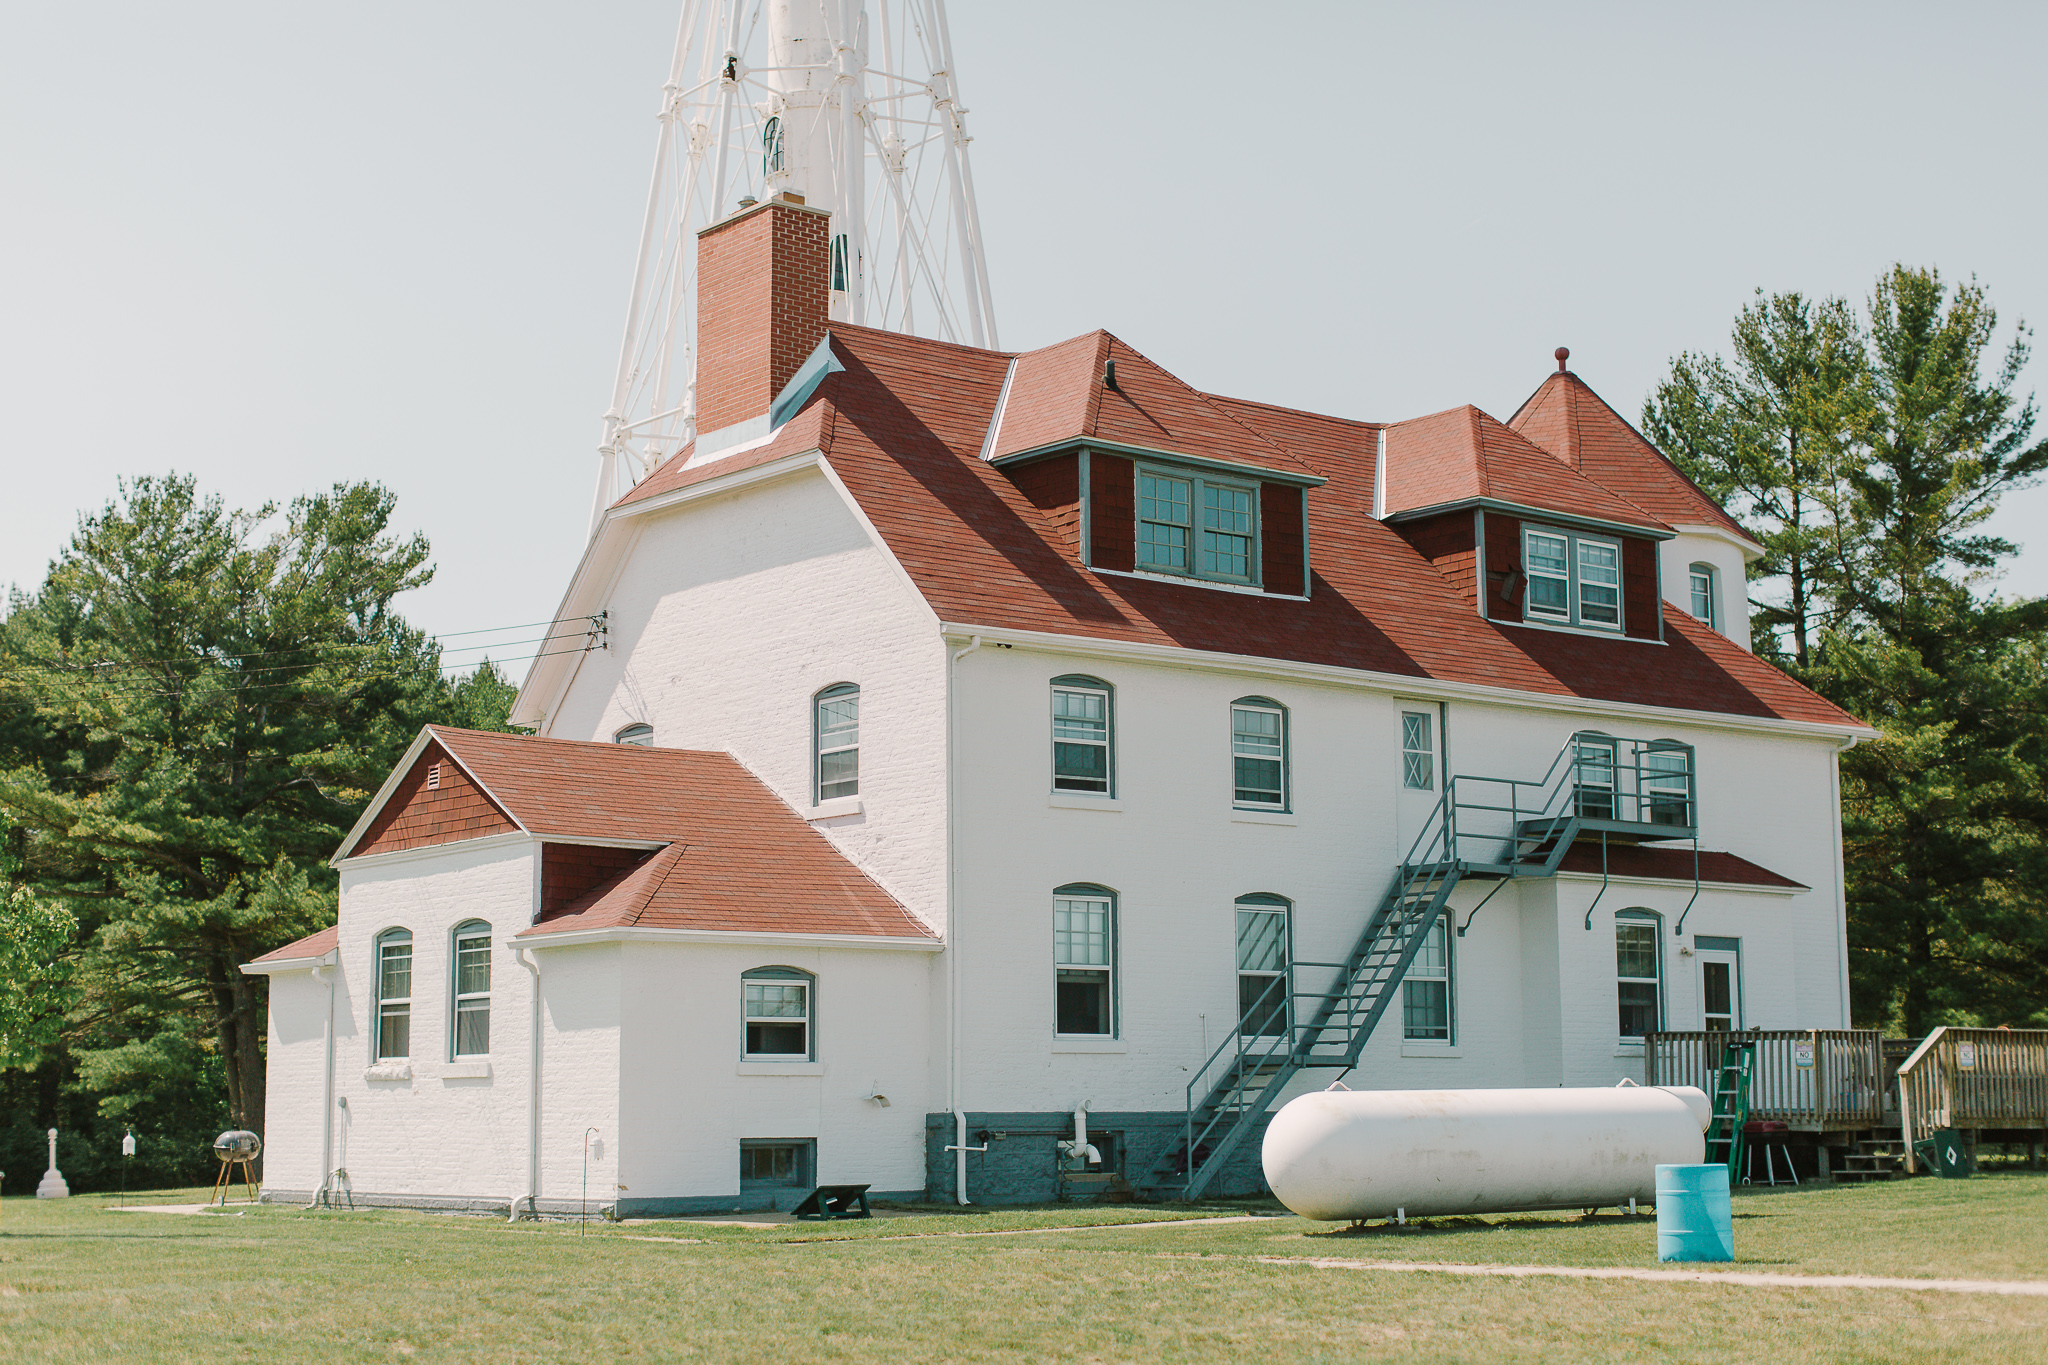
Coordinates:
(1574, 580)
(1198, 527)
(775, 1163)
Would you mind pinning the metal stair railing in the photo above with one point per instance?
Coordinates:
(1240, 1080)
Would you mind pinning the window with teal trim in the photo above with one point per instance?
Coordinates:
(1197, 526)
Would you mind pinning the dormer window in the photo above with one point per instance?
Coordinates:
(1197, 526)
(1574, 579)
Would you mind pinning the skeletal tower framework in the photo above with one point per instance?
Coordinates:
(851, 104)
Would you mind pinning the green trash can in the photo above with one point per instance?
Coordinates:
(1943, 1154)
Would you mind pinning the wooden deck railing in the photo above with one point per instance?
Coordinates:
(1974, 1078)
(1813, 1079)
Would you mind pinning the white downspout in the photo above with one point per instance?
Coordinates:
(522, 955)
(327, 1086)
(953, 935)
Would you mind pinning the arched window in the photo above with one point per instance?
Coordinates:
(1426, 995)
(1083, 735)
(394, 995)
(836, 730)
(1258, 753)
(471, 989)
(1264, 997)
(641, 734)
(775, 1006)
(1084, 961)
(771, 146)
(1703, 593)
(1639, 971)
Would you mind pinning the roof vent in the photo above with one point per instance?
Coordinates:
(433, 777)
(1563, 353)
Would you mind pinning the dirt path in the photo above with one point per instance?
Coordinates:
(1753, 1278)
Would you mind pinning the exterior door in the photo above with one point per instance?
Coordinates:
(1419, 772)
(1720, 990)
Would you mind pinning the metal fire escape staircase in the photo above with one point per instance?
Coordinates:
(1495, 829)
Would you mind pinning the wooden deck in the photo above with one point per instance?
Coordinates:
(1974, 1079)
(1811, 1080)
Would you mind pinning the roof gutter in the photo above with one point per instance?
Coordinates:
(539, 937)
(1408, 685)
(1659, 531)
(1301, 478)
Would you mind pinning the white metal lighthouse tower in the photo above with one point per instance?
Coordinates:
(851, 104)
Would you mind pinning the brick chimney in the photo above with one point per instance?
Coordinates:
(762, 306)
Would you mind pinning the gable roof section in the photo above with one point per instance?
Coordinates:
(1575, 425)
(733, 856)
(1462, 455)
(1058, 396)
(305, 952)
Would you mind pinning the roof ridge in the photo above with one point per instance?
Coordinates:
(673, 854)
(1480, 464)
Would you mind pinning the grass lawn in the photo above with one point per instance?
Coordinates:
(81, 1283)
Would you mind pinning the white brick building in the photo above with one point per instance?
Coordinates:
(1160, 754)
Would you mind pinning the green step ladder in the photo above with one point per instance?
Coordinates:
(1731, 1106)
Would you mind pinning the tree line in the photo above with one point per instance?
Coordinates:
(195, 706)
(1866, 449)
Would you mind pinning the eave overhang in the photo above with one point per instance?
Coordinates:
(1263, 473)
(1526, 512)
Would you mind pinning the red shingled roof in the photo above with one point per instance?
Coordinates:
(1463, 454)
(317, 944)
(1058, 394)
(735, 857)
(904, 424)
(1674, 864)
(1574, 424)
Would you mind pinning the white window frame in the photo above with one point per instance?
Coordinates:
(639, 734)
(1281, 1010)
(1246, 746)
(1574, 580)
(1425, 973)
(788, 977)
(1196, 526)
(1074, 731)
(834, 741)
(1418, 762)
(1071, 899)
(391, 1006)
(461, 1002)
(1703, 581)
(1638, 918)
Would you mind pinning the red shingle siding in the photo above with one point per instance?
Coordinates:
(763, 299)
(414, 817)
(1053, 486)
(569, 871)
(1503, 565)
(1446, 541)
(1112, 512)
(1280, 545)
(1639, 609)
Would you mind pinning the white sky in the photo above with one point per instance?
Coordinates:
(284, 245)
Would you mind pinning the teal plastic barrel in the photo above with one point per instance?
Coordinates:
(1694, 1222)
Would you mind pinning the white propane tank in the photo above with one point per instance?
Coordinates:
(1338, 1154)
